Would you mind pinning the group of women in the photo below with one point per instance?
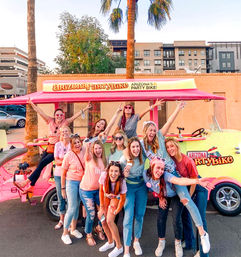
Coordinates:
(120, 181)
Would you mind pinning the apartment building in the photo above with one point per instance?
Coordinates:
(226, 56)
(187, 56)
(13, 71)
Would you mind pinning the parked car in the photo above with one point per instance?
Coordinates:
(14, 109)
(12, 120)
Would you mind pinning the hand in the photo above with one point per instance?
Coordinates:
(158, 103)
(63, 192)
(163, 203)
(181, 105)
(88, 106)
(120, 109)
(204, 182)
(100, 213)
(127, 170)
(111, 196)
(29, 101)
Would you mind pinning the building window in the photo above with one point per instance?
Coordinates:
(223, 55)
(168, 54)
(228, 64)
(195, 62)
(146, 62)
(181, 63)
(202, 52)
(169, 64)
(137, 53)
(157, 52)
(181, 53)
(158, 71)
(224, 64)
(190, 62)
(157, 62)
(146, 52)
(189, 52)
(116, 54)
(203, 62)
(124, 53)
(137, 63)
(195, 52)
(228, 55)
(147, 70)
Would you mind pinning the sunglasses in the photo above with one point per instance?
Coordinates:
(115, 163)
(74, 135)
(56, 129)
(118, 138)
(59, 114)
(128, 107)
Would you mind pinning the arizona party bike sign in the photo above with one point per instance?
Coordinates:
(210, 157)
(117, 85)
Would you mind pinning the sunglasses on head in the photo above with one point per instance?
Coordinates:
(128, 107)
(118, 138)
(115, 163)
(159, 158)
(75, 135)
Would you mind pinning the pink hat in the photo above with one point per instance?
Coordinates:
(157, 160)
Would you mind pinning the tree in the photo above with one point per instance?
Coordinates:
(83, 46)
(31, 128)
(158, 13)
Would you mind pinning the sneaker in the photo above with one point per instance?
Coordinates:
(160, 248)
(137, 248)
(106, 247)
(126, 255)
(205, 243)
(66, 239)
(76, 234)
(178, 248)
(197, 254)
(115, 252)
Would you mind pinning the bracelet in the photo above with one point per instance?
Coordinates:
(62, 188)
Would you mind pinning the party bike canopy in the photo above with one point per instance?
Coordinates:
(55, 91)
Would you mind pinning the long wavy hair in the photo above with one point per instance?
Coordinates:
(118, 182)
(72, 140)
(130, 141)
(175, 142)
(162, 183)
(92, 130)
(154, 144)
(125, 140)
(123, 117)
(98, 142)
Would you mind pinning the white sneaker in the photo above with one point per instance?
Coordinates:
(66, 239)
(137, 248)
(205, 243)
(76, 234)
(115, 252)
(178, 248)
(197, 254)
(160, 248)
(106, 247)
(126, 255)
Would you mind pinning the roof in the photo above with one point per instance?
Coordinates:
(169, 90)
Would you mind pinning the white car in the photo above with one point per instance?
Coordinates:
(12, 120)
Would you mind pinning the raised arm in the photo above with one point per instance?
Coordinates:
(157, 103)
(88, 155)
(173, 116)
(39, 111)
(81, 112)
(204, 182)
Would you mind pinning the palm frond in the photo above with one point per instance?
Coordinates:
(115, 20)
(106, 5)
(158, 13)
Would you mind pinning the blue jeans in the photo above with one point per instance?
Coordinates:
(199, 197)
(177, 207)
(72, 192)
(183, 193)
(89, 199)
(61, 200)
(135, 207)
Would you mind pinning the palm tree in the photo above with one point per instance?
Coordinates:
(158, 13)
(31, 129)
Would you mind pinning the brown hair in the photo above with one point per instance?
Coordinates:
(154, 144)
(125, 140)
(130, 141)
(162, 183)
(98, 142)
(92, 130)
(175, 142)
(123, 117)
(119, 181)
(72, 140)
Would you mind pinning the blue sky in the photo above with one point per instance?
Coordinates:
(210, 20)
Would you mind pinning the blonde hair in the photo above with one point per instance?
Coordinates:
(61, 130)
(154, 144)
(175, 142)
(98, 142)
(125, 140)
(130, 141)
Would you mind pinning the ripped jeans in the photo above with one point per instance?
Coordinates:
(89, 199)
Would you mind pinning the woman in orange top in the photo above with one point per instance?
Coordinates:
(112, 198)
(95, 163)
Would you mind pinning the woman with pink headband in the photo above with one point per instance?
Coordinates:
(161, 183)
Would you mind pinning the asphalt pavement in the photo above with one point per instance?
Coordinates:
(25, 231)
